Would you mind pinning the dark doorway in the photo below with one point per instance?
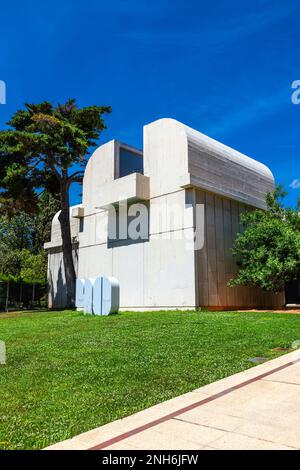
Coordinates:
(293, 293)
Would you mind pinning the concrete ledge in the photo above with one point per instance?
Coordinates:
(77, 212)
(129, 188)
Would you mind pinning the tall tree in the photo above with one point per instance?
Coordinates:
(268, 249)
(16, 191)
(33, 267)
(17, 232)
(48, 147)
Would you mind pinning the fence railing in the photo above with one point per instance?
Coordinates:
(20, 295)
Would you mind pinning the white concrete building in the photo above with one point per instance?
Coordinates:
(159, 192)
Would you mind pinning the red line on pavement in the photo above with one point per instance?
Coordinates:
(176, 413)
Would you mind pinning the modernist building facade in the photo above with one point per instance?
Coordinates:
(183, 183)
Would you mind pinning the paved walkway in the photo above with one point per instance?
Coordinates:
(255, 409)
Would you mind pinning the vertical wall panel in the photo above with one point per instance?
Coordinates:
(201, 260)
(215, 263)
(227, 247)
(211, 249)
(220, 249)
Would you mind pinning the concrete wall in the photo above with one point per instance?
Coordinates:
(224, 171)
(215, 265)
(157, 273)
(177, 156)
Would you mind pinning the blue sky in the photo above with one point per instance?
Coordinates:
(222, 67)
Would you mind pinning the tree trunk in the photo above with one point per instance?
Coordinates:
(64, 219)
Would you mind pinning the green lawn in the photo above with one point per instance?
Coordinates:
(67, 373)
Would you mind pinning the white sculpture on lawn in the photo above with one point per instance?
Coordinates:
(79, 302)
(99, 296)
(88, 295)
(2, 352)
(110, 295)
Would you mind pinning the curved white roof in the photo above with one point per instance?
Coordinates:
(177, 156)
(228, 152)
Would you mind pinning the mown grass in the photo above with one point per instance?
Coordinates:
(67, 373)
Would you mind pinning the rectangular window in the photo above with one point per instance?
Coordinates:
(130, 162)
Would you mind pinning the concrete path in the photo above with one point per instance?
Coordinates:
(255, 409)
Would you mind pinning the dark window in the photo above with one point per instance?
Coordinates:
(130, 162)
